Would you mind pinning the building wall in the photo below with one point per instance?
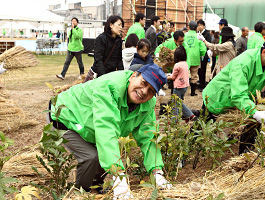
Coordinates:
(173, 9)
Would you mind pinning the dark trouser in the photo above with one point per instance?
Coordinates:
(69, 57)
(89, 171)
(248, 137)
(213, 63)
(202, 72)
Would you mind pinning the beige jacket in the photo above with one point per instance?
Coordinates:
(226, 52)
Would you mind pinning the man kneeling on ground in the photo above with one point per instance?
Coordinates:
(98, 112)
(234, 87)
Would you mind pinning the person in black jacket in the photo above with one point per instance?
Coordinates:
(202, 70)
(108, 49)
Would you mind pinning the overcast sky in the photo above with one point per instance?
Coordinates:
(46, 3)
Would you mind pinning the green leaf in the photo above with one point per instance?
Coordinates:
(6, 180)
(57, 114)
(52, 163)
(152, 179)
(128, 162)
(146, 185)
(95, 186)
(46, 111)
(2, 136)
(134, 165)
(231, 141)
(154, 194)
(220, 196)
(160, 137)
(49, 86)
(58, 142)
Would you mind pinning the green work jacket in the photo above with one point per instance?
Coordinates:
(98, 111)
(75, 42)
(196, 48)
(170, 44)
(233, 86)
(255, 41)
(137, 29)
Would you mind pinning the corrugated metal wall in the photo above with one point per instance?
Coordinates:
(241, 12)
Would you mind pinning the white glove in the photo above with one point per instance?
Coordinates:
(157, 55)
(200, 37)
(121, 189)
(161, 93)
(259, 115)
(2, 69)
(161, 181)
(209, 53)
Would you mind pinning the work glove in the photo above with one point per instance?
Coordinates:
(121, 189)
(259, 115)
(200, 37)
(161, 181)
(209, 53)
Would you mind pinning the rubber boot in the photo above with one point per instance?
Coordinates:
(193, 88)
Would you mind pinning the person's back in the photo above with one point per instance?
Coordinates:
(233, 86)
(129, 51)
(137, 27)
(257, 40)
(196, 47)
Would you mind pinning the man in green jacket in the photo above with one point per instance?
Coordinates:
(75, 49)
(235, 85)
(137, 27)
(257, 40)
(101, 111)
(196, 49)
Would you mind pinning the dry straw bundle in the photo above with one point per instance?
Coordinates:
(222, 180)
(21, 166)
(59, 89)
(18, 57)
(11, 116)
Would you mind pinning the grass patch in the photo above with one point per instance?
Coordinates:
(45, 71)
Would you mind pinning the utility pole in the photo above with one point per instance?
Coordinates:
(115, 7)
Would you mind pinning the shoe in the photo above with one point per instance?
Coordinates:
(200, 89)
(79, 77)
(161, 93)
(196, 112)
(60, 76)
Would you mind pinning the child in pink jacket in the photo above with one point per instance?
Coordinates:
(180, 77)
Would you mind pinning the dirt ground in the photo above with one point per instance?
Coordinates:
(27, 87)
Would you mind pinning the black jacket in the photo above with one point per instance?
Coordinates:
(207, 35)
(139, 60)
(103, 45)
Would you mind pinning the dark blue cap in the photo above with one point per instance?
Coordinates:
(154, 75)
(223, 21)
